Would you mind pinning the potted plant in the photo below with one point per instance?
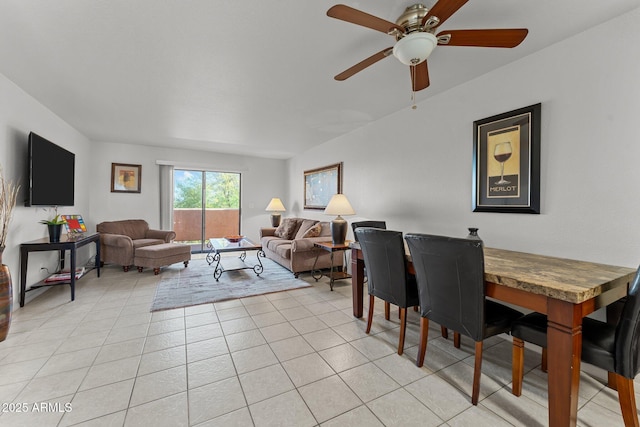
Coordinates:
(8, 196)
(55, 227)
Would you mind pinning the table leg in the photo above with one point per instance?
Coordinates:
(259, 268)
(24, 256)
(72, 276)
(331, 275)
(357, 283)
(316, 274)
(217, 271)
(209, 256)
(97, 263)
(564, 335)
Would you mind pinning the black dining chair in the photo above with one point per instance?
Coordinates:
(451, 289)
(373, 224)
(386, 264)
(612, 347)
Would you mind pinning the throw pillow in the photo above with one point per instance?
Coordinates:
(313, 231)
(287, 229)
(305, 225)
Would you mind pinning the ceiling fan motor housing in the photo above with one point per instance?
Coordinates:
(411, 19)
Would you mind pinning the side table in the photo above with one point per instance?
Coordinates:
(333, 275)
(66, 243)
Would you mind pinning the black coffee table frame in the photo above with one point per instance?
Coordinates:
(219, 246)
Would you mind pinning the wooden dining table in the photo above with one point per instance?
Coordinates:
(565, 290)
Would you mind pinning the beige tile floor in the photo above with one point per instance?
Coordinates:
(296, 358)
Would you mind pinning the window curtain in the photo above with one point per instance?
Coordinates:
(166, 197)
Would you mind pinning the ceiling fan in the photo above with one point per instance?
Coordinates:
(415, 36)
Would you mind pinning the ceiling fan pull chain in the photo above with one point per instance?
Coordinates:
(413, 88)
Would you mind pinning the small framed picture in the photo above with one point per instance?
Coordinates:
(506, 162)
(125, 178)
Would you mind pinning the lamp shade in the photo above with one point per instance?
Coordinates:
(415, 47)
(339, 205)
(275, 205)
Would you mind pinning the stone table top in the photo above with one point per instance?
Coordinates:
(560, 278)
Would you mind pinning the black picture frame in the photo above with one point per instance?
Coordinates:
(513, 185)
(321, 184)
(126, 178)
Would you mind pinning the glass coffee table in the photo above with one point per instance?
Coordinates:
(219, 246)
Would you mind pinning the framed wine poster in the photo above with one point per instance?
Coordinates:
(506, 162)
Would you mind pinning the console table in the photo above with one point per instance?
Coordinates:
(66, 243)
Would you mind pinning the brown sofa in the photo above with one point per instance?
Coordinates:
(119, 240)
(291, 245)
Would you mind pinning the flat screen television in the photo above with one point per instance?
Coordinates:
(51, 173)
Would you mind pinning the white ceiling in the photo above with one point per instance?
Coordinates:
(247, 77)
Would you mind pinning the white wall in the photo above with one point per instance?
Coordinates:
(20, 114)
(261, 180)
(413, 169)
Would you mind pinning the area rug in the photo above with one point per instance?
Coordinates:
(195, 285)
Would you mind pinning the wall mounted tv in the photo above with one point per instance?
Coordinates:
(51, 173)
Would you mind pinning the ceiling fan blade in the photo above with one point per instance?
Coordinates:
(349, 14)
(419, 76)
(443, 10)
(511, 37)
(364, 64)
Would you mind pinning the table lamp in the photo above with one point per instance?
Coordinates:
(275, 206)
(339, 205)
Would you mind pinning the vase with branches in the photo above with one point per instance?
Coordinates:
(8, 195)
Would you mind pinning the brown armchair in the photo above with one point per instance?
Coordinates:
(119, 240)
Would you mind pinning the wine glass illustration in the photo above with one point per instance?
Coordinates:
(502, 153)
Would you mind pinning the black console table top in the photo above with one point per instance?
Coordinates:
(66, 243)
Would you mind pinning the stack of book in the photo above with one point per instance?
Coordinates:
(64, 276)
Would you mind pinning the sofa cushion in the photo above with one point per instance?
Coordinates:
(314, 231)
(305, 225)
(272, 243)
(284, 250)
(288, 228)
(140, 243)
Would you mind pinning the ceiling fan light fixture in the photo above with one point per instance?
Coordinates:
(415, 47)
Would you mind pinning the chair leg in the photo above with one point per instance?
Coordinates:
(517, 366)
(627, 399)
(445, 332)
(477, 370)
(456, 339)
(424, 334)
(403, 328)
(387, 310)
(370, 316)
(543, 366)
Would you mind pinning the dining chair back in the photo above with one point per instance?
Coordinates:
(614, 347)
(385, 261)
(374, 224)
(451, 289)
